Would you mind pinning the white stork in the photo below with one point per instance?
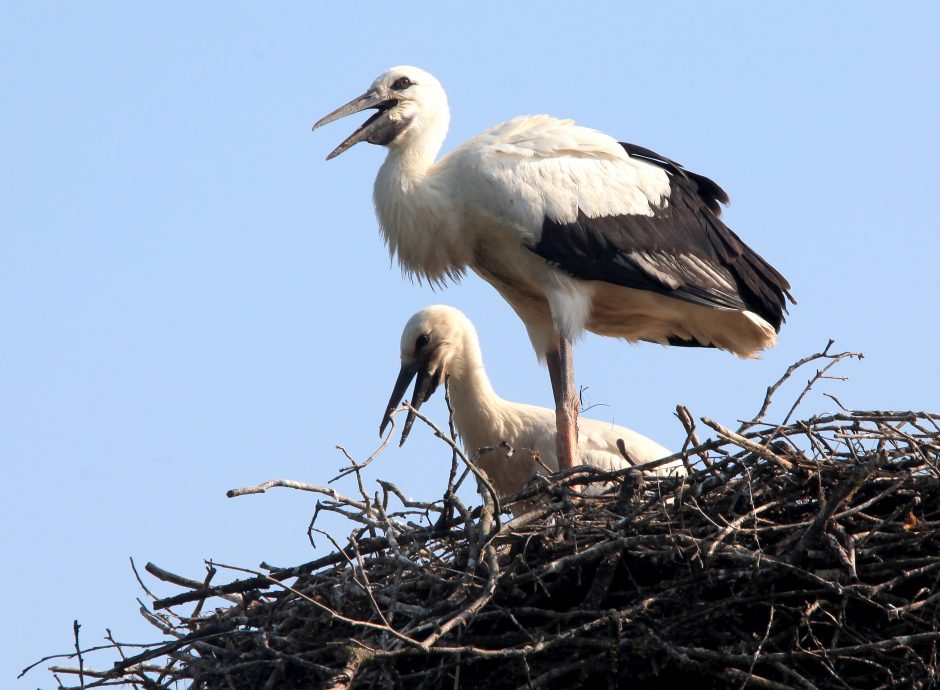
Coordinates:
(440, 341)
(573, 228)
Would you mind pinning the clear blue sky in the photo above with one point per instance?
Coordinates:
(192, 299)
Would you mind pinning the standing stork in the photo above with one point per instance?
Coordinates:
(573, 228)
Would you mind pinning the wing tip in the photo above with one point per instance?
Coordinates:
(709, 192)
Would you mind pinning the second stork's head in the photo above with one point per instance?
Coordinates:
(412, 112)
(437, 342)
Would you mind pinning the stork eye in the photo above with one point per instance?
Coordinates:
(401, 84)
(422, 342)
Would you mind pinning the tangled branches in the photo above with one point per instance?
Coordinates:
(798, 555)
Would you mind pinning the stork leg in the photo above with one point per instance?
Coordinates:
(561, 372)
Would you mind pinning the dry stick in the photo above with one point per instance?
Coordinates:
(843, 493)
(913, 606)
(78, 651)
(453, 484)
(424, 506)
(71, 655)
(140, 581)
(165, 671)
(912, 442)
(820, 374)
(489, 517)
(365, 586)
(477, 472)
(787, 671)
(691, 438)
(210, 573)
(159, 623)
(276, 674)
(735, 524)
(103, 675)
(559, 671)
(622, 447)
(756, 448)
(490, 528)
(771, 390)
(263, 582)
(326, 609)
(454, 464)
(354, 466)
(603, 577)
(345, 678)
(392, 542)
(749, 679)
(207, 632)
(907, 575)
(181, 581)
(868, 647)
(117, 645)
(526, 649)
(475, 606)
(300, 486)
(760, 646)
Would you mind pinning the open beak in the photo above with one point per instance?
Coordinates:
(375, 130)
(425, 386)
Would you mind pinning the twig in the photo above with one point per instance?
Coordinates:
(78, 652)
(477, 472)
(748, 444)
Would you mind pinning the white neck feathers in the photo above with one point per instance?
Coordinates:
(417, 205)
(478, 411)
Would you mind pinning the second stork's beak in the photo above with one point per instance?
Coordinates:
(425, 386)
(375, 130)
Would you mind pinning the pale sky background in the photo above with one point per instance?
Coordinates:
(192, 299)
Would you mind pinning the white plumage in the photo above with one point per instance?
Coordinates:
(440, 341)
(573, 228)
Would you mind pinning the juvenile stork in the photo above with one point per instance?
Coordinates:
(439, 342)
(574, 229)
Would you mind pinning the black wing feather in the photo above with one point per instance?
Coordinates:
(708, 190)
(620, 249)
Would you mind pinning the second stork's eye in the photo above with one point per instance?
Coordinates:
(422, 342)
(401, 84)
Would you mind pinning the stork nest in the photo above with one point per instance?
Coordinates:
(795, 555)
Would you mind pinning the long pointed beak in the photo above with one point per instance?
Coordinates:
(425, 386)
(405, 375)
(370, 99)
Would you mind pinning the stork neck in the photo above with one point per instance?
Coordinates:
(412, 154)
(470, 390)
(414, 201)
(408, 166)
(477, 407)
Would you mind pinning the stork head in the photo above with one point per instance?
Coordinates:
(410, 106)
(432, 346)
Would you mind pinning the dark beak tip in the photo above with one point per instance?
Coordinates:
(319, 123)
(405, 433)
